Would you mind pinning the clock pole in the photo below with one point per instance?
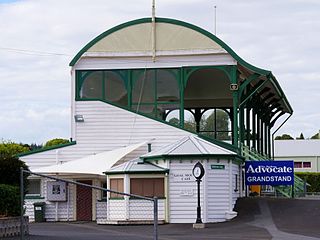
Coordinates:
(198, 207)
(198, 172)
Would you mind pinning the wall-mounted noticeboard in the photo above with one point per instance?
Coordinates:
(56, 191)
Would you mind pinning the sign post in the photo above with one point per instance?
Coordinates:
(198, 173)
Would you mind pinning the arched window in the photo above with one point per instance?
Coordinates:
(104, 85)
(216, 123)
(208, 88)
(91, 87)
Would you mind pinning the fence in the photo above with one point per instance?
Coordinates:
(52, 198)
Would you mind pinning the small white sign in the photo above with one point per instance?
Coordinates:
(181, 177)
(187, 192)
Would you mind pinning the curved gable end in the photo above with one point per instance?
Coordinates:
(169, 37)
(136, 37)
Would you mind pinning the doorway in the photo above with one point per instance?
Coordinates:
(84, 202)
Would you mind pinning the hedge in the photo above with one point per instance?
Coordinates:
(312, 178)
(10, 200)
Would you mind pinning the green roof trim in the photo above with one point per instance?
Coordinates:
(175, 22)
(137, 172)
(192, 156)
(47, 149)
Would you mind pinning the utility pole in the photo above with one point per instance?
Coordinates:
(153, 31)
(215, 20)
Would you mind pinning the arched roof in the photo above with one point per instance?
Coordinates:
(126, 36)
(171, 35)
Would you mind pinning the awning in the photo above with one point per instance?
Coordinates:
(92, 164)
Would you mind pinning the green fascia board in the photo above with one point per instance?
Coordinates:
(217, 142)
(47, 149)
(281, 93)
(175, 22)
(30, 197)
(137, 172)
(192, 156)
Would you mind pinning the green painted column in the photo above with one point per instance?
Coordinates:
(254, 135)
(265, 138)
(248, 126)
(258, 133)
(241, 125)
(182, 85)
(235, 96)
(129, 89)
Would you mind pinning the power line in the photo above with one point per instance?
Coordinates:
(33, 52)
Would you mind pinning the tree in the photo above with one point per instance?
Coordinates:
(9, 149)
(217, 121)
(284, 137)
(300, 137)
(174, 121)
(10, 184)
(316, 136)
(55, 141)
(10, 170)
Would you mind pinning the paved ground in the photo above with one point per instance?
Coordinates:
(259, 219)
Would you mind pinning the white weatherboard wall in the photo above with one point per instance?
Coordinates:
(217, 194)
(106, 128)
(183, 192)
(64, 212)
(221, 195)
(137, 210)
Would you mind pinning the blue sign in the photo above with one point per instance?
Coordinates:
(269, 173)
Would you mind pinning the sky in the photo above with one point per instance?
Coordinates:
(38, 39)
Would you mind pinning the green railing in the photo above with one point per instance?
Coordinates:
(286, 191)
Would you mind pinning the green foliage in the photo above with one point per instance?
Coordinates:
(10, 185)
(56, 141)
(216, 121)
(300, 137)
(9, 149)
(10, 171)
(174, 121)
(10, 200)
(190, 125)
(313, 178)
(316, 136)
(284, 137)
(216, 125)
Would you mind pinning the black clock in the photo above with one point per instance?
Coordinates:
(198, 171)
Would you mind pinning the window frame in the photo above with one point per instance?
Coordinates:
(34, 195)
(120, 184)
(146, 180)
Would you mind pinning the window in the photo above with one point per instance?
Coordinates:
(297, 164)
(216, 123)
(104, 193)
(116, 184)
(148, 187)
(92, 85)
(306, 164)
(155, 92)
(115, 87)
(34, 187)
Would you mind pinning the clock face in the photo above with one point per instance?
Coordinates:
(197, 172)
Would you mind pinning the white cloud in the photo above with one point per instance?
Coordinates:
(281, 36)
